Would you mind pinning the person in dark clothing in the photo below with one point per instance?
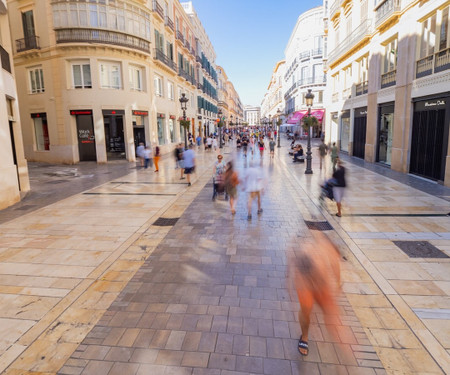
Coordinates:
(298, 154)
(339, 186)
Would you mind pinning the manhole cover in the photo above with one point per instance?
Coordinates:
(166, 222)
(318, 225)
(420, 249)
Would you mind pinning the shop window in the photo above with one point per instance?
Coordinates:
(36, 76)
(136, 74)
(110, 75)
(81, 76)
(41, 132)
(161, 135)
(171, 130)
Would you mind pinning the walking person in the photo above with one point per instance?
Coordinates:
(323, 149)
(262, 146)
(314, 276)
(334, 155)
(140, 153)
(218, 175)
(147, 155)
(339, 186)
(189, 163)
(254, 184)
(179, 151)
(214, 143)
(272, 148)
(231, 183)
(157, 155)
(199, 141)
(209, 142)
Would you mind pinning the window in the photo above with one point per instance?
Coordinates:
(390, 56)
(443, 34)
(81, 76)
(36, 76)
(347, 77)
(170, 91)
(428, 40)
(110, 75)
(41, 132)
(320, 97)
(364, 10)
(363, 69)
(135, 75)
(169, 48)
(159, 41)
(318, 73)
(158, 85)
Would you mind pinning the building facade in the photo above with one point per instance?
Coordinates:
(389, 77)
(252, 115)
(274, 98)
(97, 78)
(13, 169)
(304, 68)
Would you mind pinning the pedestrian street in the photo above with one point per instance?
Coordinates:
(104, 282)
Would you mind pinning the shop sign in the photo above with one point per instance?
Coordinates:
(361, 112)
(38, 115)
(76, 112)
(140, 113)
(431, 104)
(113, 112)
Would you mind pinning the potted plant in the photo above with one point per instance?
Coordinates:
(309, 121)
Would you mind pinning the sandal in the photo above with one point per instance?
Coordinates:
(303, 345)
(338, 215)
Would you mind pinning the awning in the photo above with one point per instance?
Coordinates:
(318, 114)
(296, 117)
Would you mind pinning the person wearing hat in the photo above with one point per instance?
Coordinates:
(218, 174)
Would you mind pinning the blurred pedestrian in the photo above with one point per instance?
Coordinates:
(262, 146)
(189, 163)
(218, 176)
(339, 186)
(199, 141)
(157, 155)
(334, 155)
(147, 155)
(314, 275)
(272, 148)
(140, 153)
(254, 184)
(179, 151)
(323, 149)
(214, 143)
(231, 183)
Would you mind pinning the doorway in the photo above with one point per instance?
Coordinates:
(86, 136)
(114, 134)
(359, 132)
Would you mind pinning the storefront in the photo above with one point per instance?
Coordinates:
(139, 120)
(114, 134)
(385, 132)
(429, 138)
(85, 134)
(345, 130)
(359, 132)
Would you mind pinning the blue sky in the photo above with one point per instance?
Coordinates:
(249, 37)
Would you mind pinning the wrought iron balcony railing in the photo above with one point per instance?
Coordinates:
(188, 45)
(388, 79)
(28, 43)
(78, 35)
(159, 55)
(304, 55)
(362, 88)
(158, 9)
(385, 10)
(435, 63)
(180, 36)
(169, 23)
(6, 62)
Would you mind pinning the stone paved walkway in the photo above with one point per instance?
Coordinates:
(212, 299)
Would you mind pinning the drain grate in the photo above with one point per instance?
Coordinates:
(165, 221)
(420, 249)
(318, 225)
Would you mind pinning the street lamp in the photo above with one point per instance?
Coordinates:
(309, 98)
(278, 123)
(183, 102)
(220, 127)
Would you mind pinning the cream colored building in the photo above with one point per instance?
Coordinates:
(252, 115)
(274, 97)
(235, 107)
(13, 168)
(389, 77)
(97, 78)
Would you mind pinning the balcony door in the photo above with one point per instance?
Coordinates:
(28, 29)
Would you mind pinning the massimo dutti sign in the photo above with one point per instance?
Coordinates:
(427, 105)
(360, 112)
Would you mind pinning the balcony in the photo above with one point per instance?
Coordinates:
(188, 45)
(359, 36)
(388, 79)
(435, 63)
(4, 57)
(304, 55)
(198, 59)
(180, 37)
(26, 44)
(311, 81)
(160, 56)
(77, 35)
(362, 88)
(199, 86)
(347, 93)
(385, 11)
(169, 23)
(158, 9)
(317, 52)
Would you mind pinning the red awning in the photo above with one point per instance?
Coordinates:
(318, 114)
(296, 117)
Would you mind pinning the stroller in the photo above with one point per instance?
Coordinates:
(327, 189)
(219, 188)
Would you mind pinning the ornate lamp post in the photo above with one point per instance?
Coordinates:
(220, 127)
(278, 129)
(309, 97)
(183, 102)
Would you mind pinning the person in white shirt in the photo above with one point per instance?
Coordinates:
(214, 143)
(209, 142)
(254, 184)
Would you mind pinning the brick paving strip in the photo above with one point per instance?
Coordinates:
(211, 299)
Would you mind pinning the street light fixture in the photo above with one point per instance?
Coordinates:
(309, 98)
(220, 127)
(183, 102)
(278, 123)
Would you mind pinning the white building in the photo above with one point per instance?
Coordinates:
(304, 66)
(274, 97)
(252, 115)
